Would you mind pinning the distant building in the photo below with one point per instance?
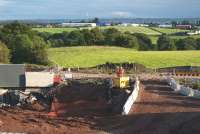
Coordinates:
(103, 24)
(143, 25)
(194, 33)
(125, 24)
(165, 26)
(184, 26)
(78, 24)
(134, 25)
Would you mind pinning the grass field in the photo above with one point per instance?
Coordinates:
(54, 30)
(131, 29)
(153, 34)
(169, 30)
(92, 56)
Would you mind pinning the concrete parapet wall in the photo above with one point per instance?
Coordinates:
(39, 79)
(131, 99)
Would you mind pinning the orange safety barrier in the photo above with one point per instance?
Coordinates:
(53, 112)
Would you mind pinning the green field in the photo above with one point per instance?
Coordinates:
(131, 29)
(92, 56)
(153, 34)
(54, 30)
(169, 30)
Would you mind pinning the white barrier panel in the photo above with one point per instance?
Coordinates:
(3, 91)
(131, 99)
(68, 76)
(39, 79)
(182, 89)
(196, 94)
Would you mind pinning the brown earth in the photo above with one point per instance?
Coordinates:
(158, 110)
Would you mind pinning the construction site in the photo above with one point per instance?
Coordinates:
(113, 100)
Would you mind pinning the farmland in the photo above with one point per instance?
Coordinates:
(54, 30)
(153, 33)
(169, 30)
(131, 29)
(92, 56)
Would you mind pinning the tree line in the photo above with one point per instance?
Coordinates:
(113, 37)
(165, 43)
(96, 36)
(20, 44)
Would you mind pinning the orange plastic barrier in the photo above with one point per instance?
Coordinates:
(53, 112)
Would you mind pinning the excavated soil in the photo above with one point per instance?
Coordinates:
(158, 110)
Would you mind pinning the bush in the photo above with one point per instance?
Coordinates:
(186, 44)
(145, 42)
(198, 44)
(196, 86)
(165, 43)
(110, 35)
(4, 53)
(75, 38)
(128, 41)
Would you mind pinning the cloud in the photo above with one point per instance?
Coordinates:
(121, 14)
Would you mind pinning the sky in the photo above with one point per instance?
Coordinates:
(84, 9)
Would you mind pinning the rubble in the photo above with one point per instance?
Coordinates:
(30, 100)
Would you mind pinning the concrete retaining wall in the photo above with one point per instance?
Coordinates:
(39, 79)
(187, 91)
(131, 99)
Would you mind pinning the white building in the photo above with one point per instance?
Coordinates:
(125, 24)
(135, 25)
(194, 33)
(143, 25)
(165, 26)
(78, 24)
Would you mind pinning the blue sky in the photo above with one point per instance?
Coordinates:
(75, 9)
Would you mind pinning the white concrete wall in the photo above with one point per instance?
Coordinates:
(39, 79)
(132, 98)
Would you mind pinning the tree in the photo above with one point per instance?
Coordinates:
(186, 44)
(185, 22)
(128, 41)
(96, 20)
(4, 53)
(174, 23)
(98, 36)
(38, 51)
(20, 49)
(88, 36)
(145, 42)
(75, 38)
(110, 35)
(165, 43)
(198, 44)
(25, 45)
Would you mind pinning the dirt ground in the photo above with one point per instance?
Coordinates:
(158, 110)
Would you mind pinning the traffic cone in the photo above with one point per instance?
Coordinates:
(53, 111)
